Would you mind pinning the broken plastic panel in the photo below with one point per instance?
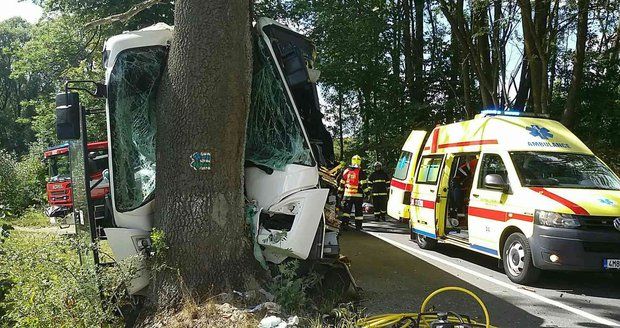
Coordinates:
(132, 90)
(274, 135)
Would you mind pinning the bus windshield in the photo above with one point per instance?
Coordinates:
(563, 170)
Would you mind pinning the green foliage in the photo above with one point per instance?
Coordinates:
(291, 289)
(32, 218)
(22, 183)
(15, 133)
(46, 286)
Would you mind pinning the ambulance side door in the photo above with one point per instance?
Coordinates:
(487, 205)
(424, 195)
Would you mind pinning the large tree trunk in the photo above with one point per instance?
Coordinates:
(203, 107)
(572, 100)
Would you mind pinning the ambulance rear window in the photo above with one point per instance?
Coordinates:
(402, 166)
(563, 170)
(429, 169)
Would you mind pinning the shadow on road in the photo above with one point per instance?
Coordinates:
(394, 282)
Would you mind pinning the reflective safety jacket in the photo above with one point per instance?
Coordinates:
(379, 183)
(352, 183)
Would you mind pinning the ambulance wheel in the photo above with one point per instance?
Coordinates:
(425, 242)
(517, 259)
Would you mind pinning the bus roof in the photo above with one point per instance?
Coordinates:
(504, 132)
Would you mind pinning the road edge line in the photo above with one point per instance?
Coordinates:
(525, 292)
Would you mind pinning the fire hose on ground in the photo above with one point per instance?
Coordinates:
(429, 319)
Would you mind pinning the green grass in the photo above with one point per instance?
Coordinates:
(49, 287)
(31, 218)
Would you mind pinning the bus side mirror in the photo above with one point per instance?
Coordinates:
(68, 116)
(495, 181)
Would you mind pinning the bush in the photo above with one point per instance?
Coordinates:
(9, 193)
(291, 289)
(22, 183)
(46, 286)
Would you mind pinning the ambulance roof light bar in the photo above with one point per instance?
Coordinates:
(515, 113)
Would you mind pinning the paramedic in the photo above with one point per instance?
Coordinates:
(351, 189)
(379, 183)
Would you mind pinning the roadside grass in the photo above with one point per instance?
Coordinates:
(31, 218)
(45, 285)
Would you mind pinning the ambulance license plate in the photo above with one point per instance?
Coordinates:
(611, 264)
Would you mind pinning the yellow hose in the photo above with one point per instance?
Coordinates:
(389, 320)
(458, 289)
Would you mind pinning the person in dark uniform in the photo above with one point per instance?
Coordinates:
(351, 191)
(379, 184)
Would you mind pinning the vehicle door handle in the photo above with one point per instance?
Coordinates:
(432, 190)
(475, 195)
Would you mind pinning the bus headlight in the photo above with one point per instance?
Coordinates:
(558, 220)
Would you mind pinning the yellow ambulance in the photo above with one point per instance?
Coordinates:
(519, 188)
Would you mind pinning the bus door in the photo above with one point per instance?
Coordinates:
(425, 196)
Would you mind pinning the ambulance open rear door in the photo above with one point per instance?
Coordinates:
(424, 200)
(402, 180)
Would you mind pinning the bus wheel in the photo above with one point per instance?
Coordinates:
(517, 259)
(425, 242)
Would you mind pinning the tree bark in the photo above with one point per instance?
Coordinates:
(203, 106)
(572, 99)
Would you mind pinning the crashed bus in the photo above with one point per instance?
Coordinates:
(282, 178)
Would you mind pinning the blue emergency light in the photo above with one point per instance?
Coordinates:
(516, 113)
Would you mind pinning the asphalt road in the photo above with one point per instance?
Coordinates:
(396, 276)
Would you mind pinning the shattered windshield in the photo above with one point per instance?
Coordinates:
(131, 99)
(59, 167)
(274, 135)
(562, 170)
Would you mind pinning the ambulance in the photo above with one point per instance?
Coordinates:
(520, 188)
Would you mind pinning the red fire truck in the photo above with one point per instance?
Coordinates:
(59, 192)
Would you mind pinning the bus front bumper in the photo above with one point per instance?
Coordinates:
(574, 249)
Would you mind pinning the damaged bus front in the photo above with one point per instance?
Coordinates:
(286, 143)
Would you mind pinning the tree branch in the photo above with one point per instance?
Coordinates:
(124, 17)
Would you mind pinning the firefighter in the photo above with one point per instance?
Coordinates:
(379, 185)
(351, 191)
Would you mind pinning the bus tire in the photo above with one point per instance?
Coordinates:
(425, 242)
(517, 260)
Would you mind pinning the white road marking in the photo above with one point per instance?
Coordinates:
(514, 288)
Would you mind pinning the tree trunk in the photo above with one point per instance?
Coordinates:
(535, 35)
(572, 99)
(523, 93)
(396, 39)
(418, 53)
(340, 125)
(203, 106)
(407, 48)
